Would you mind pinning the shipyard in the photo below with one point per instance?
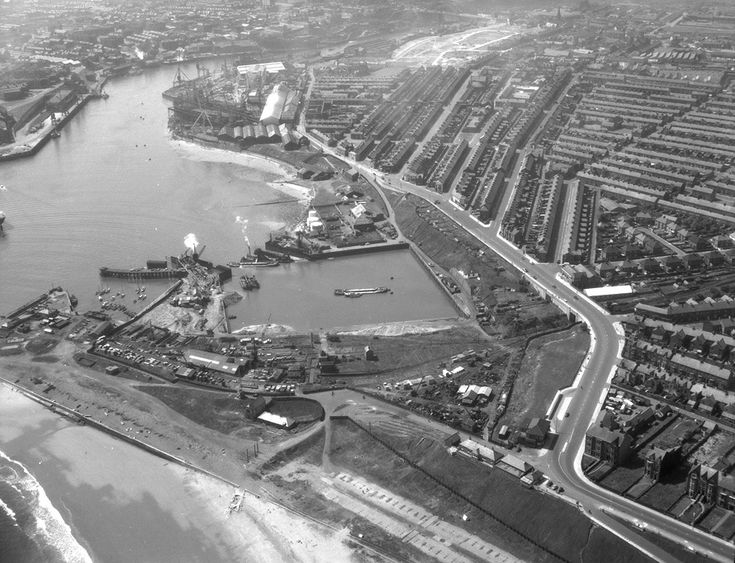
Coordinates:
(369, 281)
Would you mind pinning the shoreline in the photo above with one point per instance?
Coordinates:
(285, 170)
(72, 415)
(59, 532)
(243, 158)
(180, 497)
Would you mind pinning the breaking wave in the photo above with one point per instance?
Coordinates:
(31, 528)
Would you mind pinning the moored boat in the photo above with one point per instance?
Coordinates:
(249, 282)
(361, 291)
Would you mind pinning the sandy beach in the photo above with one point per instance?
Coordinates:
(124, 504)
(254, 161)
(195, 151)
(400, 328)
(264, 330)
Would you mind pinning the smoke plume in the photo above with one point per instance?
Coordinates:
(191, 242)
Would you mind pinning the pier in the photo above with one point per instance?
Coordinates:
(143, 273)
(337, 253)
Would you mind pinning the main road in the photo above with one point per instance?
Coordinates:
(563, 463)
(584, 400)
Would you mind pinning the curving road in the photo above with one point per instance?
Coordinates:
(584, 399)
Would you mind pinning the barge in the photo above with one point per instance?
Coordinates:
(143, 273)
(361, 291)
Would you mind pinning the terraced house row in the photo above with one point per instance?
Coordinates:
(658, 140)
(387, 136)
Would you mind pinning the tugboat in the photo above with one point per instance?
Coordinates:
(249, 282)
(251, 260)
(259, 260)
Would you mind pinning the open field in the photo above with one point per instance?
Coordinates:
(298, 408)
(297, 472)
(551, 522)
(217, 411)
(408, 352)
(454, 48)
(677, 552)
(550, 363)
(307, 451)
(515, 310)
(295, 490)
(121, 405)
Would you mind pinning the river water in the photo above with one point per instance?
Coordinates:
(116, 190)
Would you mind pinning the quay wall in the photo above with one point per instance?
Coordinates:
(47, 137)
(352, 251)
(20, 310)
(150, 306)
(422, 260)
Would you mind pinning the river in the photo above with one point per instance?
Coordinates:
(116, 190)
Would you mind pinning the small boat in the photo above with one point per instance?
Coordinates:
(249, 282)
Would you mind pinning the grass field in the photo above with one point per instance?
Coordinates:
(623, 477)
(727, 529)
(217, 411)
(668, 490)
(408, 352)
(712, 518)
(41, 344)
(551, 522)
(307, 451)
(551, 362)
(677, 552)
(302, 410)
(300, 495)
(599, 548)
(451, 247)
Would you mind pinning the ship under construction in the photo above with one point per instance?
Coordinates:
(264, 93)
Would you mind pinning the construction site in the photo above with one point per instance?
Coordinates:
(240, 105)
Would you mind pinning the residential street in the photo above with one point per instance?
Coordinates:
(563, 463)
